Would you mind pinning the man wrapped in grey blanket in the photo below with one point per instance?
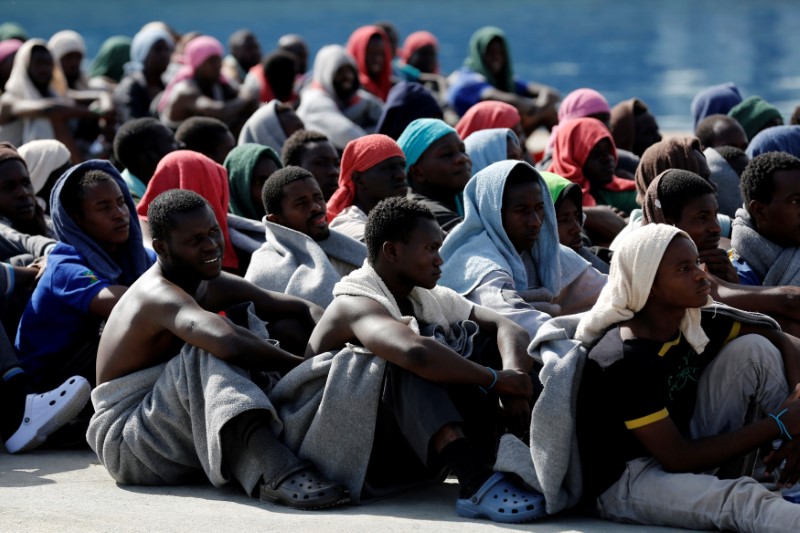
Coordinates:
(163, 418)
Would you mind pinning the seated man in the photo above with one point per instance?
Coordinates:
(208, 136)
(373, 168)
(665, 391)
(427, 404)
(19, 209)
(766, 235)
(301, 255)
(506, 255)
(138, 147)
(99, 254)
(175, 398)
(720, 130)
(313, 151)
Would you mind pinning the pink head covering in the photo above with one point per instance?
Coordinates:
(487, 115)
(417, 40)
(360, 155)
(195, 54)
(578, 104)
(8, 47)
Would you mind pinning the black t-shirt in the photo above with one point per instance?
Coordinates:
(652, 380)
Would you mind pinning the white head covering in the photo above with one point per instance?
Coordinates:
(633, 270)
(64, 42)
(43, 157)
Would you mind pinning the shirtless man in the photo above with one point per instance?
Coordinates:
(175, 303)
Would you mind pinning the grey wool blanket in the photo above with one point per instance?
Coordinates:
(329, 404)
(161, 425)
(293, 263)
(774, 264)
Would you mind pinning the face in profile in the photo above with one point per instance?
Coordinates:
(600, 164)
(418, 260)
(444, 165)
(104, 215)
(680, 283)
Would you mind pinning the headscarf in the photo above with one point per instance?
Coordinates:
(753, 113)
(8, 47)
(61, 44)
(776, 139)
(111, 59)
(19, 84)
(623, 123)
(143, 42)
(12, 30)
(675, 152)
(195, 54)
(573, 144)
(561, 188)
(480, 244)
(717, 99)
(477, 49)
(407, 101)
(415, 41)
(328, 60)
(8, 152)
(131, 261)
(240, 163)
(357, 47)
(418, 137)
(652, 211)
(42, 157)
(486, 115)
(485, 147)
(578, 104)
(264, 127)
(185, 169)
(633, 271)
(359, 155)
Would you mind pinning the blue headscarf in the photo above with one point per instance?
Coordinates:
(133, 261)
(480, 245)
(776, 139)
(485, 147)
(142, 44)
(419, 135)
(715, 100)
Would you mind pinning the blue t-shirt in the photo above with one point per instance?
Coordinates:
(747, 275)
(466, 88)
(56, 320)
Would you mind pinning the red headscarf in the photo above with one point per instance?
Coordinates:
(417, 40)
(574, 141)
(360, 155)
(192, 171)
(487, 115)
(357, 47)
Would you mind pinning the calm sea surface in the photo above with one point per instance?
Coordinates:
(660, 51)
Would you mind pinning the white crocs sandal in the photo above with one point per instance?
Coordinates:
(45, 413)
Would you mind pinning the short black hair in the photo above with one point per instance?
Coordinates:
(162, 210)
(75, 188)
(134, 138)
(280, 68)
(272, 193)
(295, 145)
(201, 134)
(705, 128)
(757, 182)
(736, 157)
(677, 187)
(393, 219)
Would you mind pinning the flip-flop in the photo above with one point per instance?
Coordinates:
(302, 487)
(500, 500)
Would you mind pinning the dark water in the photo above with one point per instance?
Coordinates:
(660, 51)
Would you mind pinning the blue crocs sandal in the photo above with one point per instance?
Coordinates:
(500, 500)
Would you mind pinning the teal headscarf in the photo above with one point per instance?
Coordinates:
(111, 59)
(419, 135)
(240, 163)
(478, 44)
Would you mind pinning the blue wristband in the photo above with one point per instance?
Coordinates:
(494, 382)
(781, 426)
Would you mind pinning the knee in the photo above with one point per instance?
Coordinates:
(753, 349)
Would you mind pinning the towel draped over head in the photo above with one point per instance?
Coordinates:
(65, 42)
(357, 47)
(652, 213)
(328, 60)
(633, 271)
(485, 147)
(407, 101)
(573, 143)
(717, 99)
(195, 54)
(753, 113)
(143, 42)
(415, 41)
(419, 135)
(264, 127)
(776, 139)
(112, 57)
(42, 158)
(480, 244)
(240, 163)
(486, 115)
(623, 123)
(192, 171)
(561, 188)
(675, 152)
(129, 263)
(478, 44)
(578, 104)
(360, 155)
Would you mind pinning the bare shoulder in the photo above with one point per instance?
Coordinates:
(351, 308)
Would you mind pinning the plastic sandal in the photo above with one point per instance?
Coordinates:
(304, 488)
(500, 500)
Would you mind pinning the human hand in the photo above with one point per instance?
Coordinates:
(513, 383)
(517, 415)
(718, 264)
